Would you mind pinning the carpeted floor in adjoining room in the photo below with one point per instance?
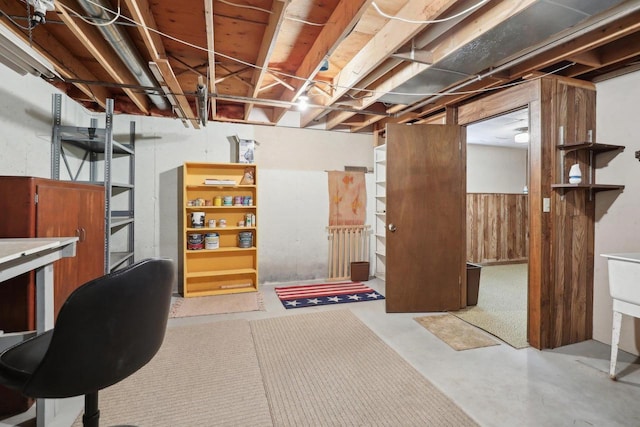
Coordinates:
(502, 304)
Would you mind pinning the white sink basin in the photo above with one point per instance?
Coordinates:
(624, 277)
(624, 287)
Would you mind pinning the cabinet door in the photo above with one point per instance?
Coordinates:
(426, 208)
(73, 211)
(92, 232)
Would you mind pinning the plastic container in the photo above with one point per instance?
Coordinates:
(211, 241)
(473, 283)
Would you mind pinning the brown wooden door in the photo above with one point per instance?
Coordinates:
(73, 211)
(426, 186)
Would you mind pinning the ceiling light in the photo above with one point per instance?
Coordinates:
(303, 102)
(521, 138)
(21, 58)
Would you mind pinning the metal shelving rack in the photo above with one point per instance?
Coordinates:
(100, 149)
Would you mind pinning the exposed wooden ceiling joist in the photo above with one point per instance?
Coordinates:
(341, 22)
(276, 18)
(442, 47)
(384, 44)
(94, 43)
(268, 52)
(211, 49)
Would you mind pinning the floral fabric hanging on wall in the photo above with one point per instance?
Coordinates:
(347, 198)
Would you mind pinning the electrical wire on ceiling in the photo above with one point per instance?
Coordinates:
(334, 86)
(433, 21)
(244, 6)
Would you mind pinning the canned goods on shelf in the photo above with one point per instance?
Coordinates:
(245, 239)
(211, 241)
(195, 241)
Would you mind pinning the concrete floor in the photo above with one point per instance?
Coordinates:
(497, 385)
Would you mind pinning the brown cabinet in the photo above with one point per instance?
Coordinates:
(39, 207)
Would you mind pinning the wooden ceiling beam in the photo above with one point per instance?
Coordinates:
(172, 83)
(607, 34)
(589, 58)
(96, 45)
(625, 48)
(211, 55)
(141, 13)
(616, 52)
(386, 42)
(269, 39)
(477, 86)
(343, 19)
(483, 21)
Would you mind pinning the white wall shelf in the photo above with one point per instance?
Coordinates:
(380, 171)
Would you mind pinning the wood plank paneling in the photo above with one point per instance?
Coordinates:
(573, 221)
(497, 227)
(561, 240)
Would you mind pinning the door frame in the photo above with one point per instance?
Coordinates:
(526, 95)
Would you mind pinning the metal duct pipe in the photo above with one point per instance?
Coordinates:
(616, 13)
(124, 48)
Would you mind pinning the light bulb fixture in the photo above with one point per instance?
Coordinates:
(303, 102)
(521, 138)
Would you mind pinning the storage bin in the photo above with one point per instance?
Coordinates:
(359, 271)
(473, 283)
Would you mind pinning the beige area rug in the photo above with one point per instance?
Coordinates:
(502, 304)
(216, 304)
(329, 369)
(456, 332)
(316, 369)
(204, 375)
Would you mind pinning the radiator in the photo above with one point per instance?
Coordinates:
(347, 244)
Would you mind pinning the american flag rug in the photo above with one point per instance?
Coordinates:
(325, 293)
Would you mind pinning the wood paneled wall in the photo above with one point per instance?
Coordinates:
(561, 240)
(497, 227)
(573, 213)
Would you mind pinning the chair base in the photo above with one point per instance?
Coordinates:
(91, 417)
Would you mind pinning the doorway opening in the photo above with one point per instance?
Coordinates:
(497, 223)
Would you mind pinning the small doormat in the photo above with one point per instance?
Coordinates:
(325, 294)
(217, 304)
(457, 333)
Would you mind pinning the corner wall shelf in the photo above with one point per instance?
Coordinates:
(593, 149)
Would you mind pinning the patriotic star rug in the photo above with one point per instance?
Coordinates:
(325, 293)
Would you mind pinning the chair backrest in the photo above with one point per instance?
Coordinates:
(106, 330)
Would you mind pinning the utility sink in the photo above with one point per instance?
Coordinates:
(624, 287)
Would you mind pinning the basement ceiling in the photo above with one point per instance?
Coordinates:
(361, 63)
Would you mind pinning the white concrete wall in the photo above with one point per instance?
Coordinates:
(292, 165)
(294, 196)
(25, 124)
(617, 213)
(495, 169)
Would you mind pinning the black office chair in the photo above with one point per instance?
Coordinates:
(106, 330)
